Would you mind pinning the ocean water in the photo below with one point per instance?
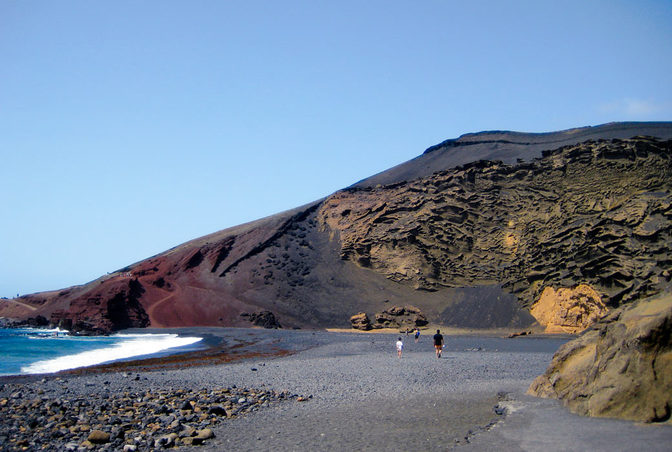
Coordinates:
(36, 351)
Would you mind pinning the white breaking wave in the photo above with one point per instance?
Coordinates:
(43, 330)
(132, 345)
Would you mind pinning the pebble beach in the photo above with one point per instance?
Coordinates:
(311, 390)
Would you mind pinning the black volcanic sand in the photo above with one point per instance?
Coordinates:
(349, 391)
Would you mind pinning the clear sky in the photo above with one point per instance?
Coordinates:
(129, 127)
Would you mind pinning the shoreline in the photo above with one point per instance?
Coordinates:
(330, 391)
(222, 345)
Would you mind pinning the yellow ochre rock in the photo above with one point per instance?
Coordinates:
(621, 367)
(568, 310)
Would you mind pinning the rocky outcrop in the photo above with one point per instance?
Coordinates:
(361, 321)
(404, 317)
(265, 319)
(621, 367)
(111, 308)
(568, 310)
(597, 213)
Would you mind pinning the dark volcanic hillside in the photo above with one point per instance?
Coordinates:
(470, 243)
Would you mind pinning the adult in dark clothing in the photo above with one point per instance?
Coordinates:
(438, 343)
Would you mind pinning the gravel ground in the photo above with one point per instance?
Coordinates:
(365, 398)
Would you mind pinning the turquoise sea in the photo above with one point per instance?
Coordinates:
(37, 351)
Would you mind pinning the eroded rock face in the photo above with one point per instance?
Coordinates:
(598, 213)
(361, 321)
(568, 310)
(110, 308)
(621, 367)
(400, 317)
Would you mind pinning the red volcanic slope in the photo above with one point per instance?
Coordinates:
(289, 263)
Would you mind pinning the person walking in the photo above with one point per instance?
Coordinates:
(400, 347)
(438, 343)
(417, 335)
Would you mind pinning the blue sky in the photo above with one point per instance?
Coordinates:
(127, 127)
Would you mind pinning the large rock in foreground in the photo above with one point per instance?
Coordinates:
(622, 367)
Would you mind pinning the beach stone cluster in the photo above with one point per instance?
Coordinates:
(127, 420)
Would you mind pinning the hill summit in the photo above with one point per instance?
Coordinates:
(475, 232)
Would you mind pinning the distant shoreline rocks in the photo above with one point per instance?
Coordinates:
(404, 317)
(264, 319)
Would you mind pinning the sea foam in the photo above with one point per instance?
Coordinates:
(129, 346)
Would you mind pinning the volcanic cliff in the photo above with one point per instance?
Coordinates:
(472, 232)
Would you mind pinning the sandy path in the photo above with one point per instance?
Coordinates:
(154, 306)
(20, 303)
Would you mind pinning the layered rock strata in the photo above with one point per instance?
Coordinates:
(597, 213)
(407, 317)
(404, 317)
(361, 321)
(621, 367)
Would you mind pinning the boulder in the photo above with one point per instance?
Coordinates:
(360, 321)
(568, 310)
(400, 317)
(621, 367)
(265, 319)
(206, 433)
(98, 437)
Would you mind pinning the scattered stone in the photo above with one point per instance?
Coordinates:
(520, 333)
(166, 440)
(187, 406)
(192, 441)
(206, 433)
(146, 420)
(98, 437)
(217, 410)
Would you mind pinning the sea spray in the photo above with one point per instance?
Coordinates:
(36, 350)
(129, 346)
